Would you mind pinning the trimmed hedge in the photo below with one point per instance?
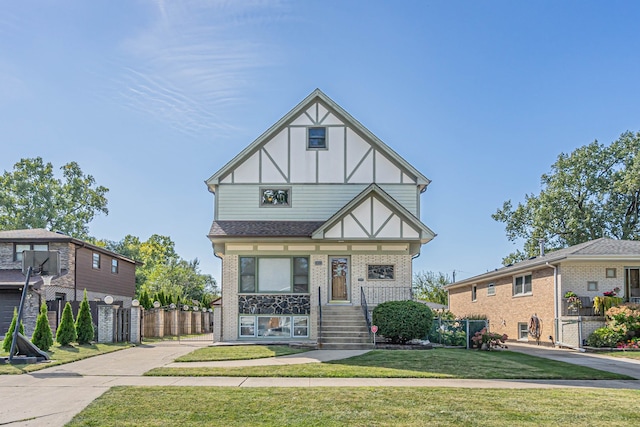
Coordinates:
(402, 321)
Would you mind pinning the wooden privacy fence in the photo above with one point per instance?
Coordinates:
(160, 322)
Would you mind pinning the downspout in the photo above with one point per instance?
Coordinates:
(555, 302)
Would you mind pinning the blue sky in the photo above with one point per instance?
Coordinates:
(153, 97)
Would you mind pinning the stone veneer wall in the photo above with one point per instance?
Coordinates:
(274, 304)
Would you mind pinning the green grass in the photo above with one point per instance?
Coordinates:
(61, 355)
(438, 363)
(633, 354)
(358, 406)
(238, 352)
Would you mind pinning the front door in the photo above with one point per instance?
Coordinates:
(339, 273)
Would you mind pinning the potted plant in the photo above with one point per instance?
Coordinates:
(573, 301)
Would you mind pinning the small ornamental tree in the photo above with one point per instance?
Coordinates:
(84, 322)
(8, 338)
(66, 333)
(402, 321)
(42, 336)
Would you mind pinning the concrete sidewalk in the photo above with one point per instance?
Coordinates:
(52, 396)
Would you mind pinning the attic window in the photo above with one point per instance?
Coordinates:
(316, 138)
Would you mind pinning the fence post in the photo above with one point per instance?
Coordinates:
(134, 325)
(217, 324)
(106, 320)
(159, 318)
(468, 337)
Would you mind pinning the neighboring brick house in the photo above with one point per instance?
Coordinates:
(316, 212)
(511, 295)
(83, 266)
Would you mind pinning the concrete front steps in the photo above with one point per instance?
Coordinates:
(344, 328)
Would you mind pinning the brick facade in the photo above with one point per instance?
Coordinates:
(506, 310)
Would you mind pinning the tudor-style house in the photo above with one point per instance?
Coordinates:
(83, 266)
(311, 219)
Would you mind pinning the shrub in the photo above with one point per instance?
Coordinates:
(491, 339)
(66, 333)
(84, 322)
(42, 336)
(604, 337)
(8, 337)
(402, 321)
(624, 319)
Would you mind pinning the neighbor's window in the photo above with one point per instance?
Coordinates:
(272, 274)
(491, 289)
(114, 266)
(523, 332)
(380, 272)
(274, 197)
(18, 248)
(610, 273)
(96, 260)
(592, 286)
(522, 284)
(316, 138)
(474, 292)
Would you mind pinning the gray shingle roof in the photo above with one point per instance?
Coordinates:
(263, 228)
(602, 247)
(33, 234)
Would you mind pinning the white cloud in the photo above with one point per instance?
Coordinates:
(194, 60)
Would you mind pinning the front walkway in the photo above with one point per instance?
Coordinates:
(54, 395)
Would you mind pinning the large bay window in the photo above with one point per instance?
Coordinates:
(274, 275)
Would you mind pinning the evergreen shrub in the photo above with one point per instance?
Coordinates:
(66, 333)
(402, 321)
(84, 322)
(8, 337)
(42, 336)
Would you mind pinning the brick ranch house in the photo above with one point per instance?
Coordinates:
(83, 266)
(511, 295)
(311, 219)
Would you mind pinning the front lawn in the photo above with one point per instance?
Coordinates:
(238, 352)
(358, 406)
(60, 355)
(625, 354)
(437, 363)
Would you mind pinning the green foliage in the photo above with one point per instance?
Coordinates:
(402, 321)
(625, 319)
(164, 276)
(42, 336)
(8, 337)
(66, 333)
(590, 193)
(602, 304)
(429, 286)
(32, 197)
(604, 337)
(486, 340)
(84, 322)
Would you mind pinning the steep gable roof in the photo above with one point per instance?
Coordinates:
(374, 214)
(315, 96)
(599, 249)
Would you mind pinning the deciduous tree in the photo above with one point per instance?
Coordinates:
(32, 197)
(591, 193)
(429, 286)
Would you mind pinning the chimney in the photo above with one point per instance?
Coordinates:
(541, 243)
